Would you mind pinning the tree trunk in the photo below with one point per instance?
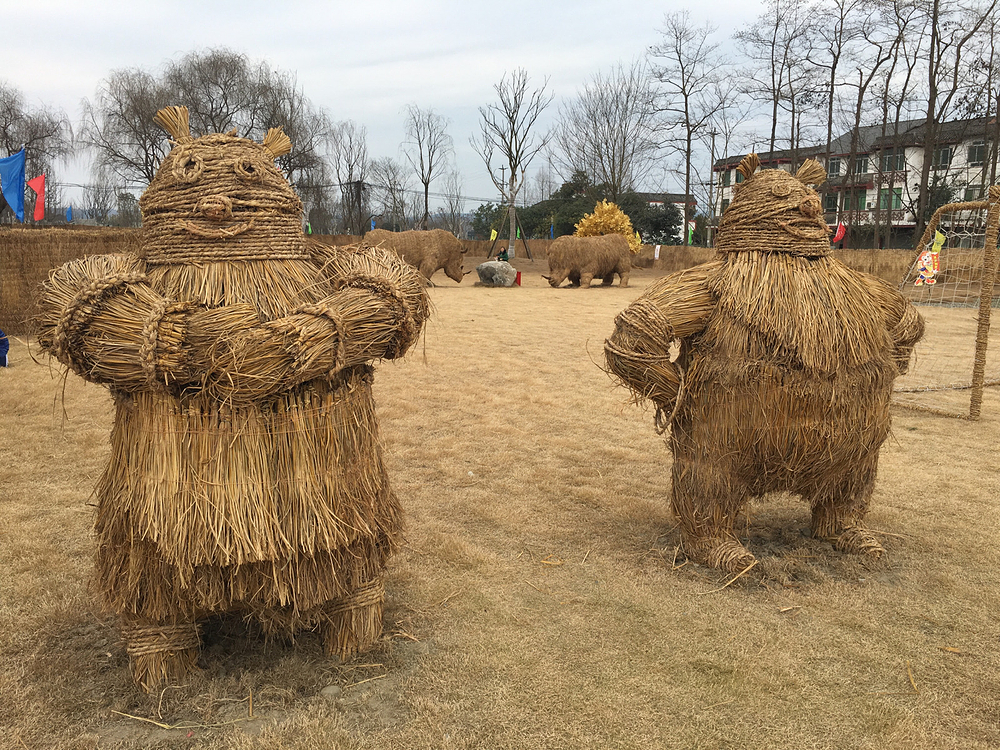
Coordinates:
(427, 213)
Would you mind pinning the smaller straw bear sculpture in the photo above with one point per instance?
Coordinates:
(246, 471)
(772, 368)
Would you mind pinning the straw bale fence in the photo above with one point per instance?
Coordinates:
(28, 255)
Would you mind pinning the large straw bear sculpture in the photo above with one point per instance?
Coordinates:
(246, 472)
(772, 367)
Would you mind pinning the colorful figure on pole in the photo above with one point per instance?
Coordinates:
(929, 262)
(246, 471)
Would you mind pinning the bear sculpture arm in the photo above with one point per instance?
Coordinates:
(648, 346)
(376, 310)
(905, 324)
(100, 318)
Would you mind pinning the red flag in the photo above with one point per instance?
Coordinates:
(38, 185)
(841, 231)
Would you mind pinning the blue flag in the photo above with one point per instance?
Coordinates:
(69, 214)
(373, 222)
(12, 183)
(552, 231)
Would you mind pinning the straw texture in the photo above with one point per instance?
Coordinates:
(246, 472)
(426, 250)
(772, 367)
(582, 259)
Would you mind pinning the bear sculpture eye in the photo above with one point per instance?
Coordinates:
(246, 170)
(780, 191)
(188, 167)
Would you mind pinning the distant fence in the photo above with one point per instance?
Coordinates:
(28, 255)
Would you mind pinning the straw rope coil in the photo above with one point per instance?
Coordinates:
(141, 641)
(364, 596)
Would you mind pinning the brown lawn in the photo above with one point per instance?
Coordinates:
(540, 601)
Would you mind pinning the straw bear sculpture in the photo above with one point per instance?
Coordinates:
(246, 471)
(772, 368)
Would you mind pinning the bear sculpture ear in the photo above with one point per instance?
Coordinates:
(175, 121)
(277, 143)
(748, 166)
(811, 173)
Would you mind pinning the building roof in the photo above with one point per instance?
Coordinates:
(869, 139)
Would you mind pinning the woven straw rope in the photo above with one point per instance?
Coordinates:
(151, 336)
(83, 307)
(370, 593)
(160, 638)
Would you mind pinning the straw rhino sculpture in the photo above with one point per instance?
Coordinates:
(426, 250)
(772, 367)
(246, 471)
(582, 259)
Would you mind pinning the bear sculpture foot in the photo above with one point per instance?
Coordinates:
(161, 654)
(726, 554)
(858, 541)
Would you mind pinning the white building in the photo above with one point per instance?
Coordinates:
(872, 187)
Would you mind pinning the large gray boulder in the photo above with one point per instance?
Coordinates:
(496, 273)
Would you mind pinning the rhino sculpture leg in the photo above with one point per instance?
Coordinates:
(623, 279)
(839, 510)
(585, 279)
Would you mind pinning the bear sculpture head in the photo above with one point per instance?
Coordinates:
(219, 198)
(775, 211)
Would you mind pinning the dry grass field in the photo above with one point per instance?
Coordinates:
(540, 600)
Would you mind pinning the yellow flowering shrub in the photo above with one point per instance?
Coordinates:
(607, 218)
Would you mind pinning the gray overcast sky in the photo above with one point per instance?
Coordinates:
(362, 60)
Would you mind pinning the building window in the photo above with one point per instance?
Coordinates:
(860, 164)
(725, 178)
(739, 177)
(942, 158)
(833, 167)
(977, 154)
(893, 160)
(973, 193)
(725, 203)
(854, 200)
(890, 199)
(830, 203)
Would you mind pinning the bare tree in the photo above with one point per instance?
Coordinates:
(223, 90)
(835, 29)
(893, 93)
(42, 132)
(451, 216)
(508, 134)
(689, 76)
(953, 25)
(610, 130)
(773, 44)
(99, 198)
(426, 147)
(390, 189)
(119, 127)
(349, 154)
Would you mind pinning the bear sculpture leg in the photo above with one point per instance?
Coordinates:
(353, 623)
(839, 509)
(707, 503)
(160, 653)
